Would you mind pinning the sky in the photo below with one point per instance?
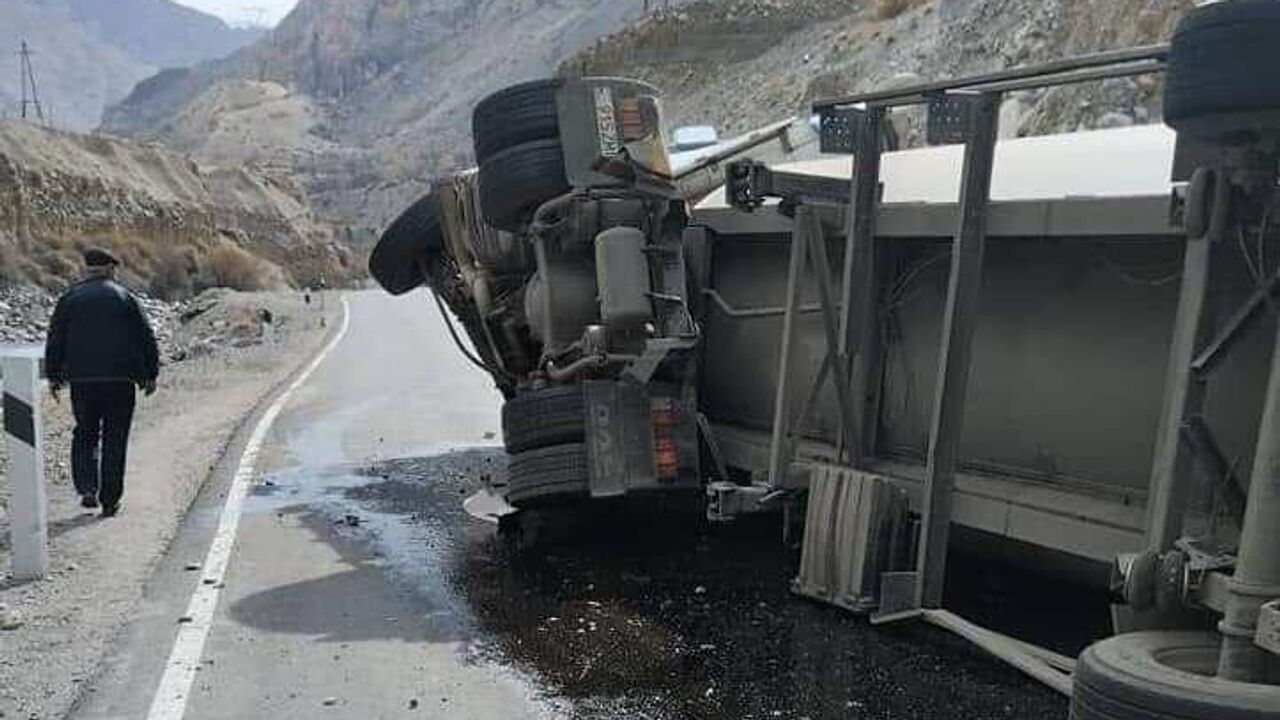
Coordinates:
(244, 12)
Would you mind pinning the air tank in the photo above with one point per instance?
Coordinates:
(622, 275)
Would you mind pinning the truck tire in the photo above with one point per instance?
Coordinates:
(406, 249)
(514, 116)
(516, 181)
(1223, 75)
(549, 475)
(537, 419)
(1161, 675)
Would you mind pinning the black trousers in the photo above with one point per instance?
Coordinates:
(104, 414)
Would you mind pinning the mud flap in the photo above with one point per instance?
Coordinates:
(639, 437)
(619, 437)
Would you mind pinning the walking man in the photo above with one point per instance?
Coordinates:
(101, 343)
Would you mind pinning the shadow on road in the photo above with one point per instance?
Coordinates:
(333, 608)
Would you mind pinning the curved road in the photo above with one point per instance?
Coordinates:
(307, 622)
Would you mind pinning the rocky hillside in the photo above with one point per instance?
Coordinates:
(177, 227)
(89, 54)
(738, 64)
(367, 99)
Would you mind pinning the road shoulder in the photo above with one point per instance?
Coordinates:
(99, 568)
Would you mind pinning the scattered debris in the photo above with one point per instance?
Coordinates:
(184, 330)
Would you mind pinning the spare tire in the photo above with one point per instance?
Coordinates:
(408, 247)
(548, 476)
(514, 116)
(1223, 74)
(550, 416)
(1164, 675)
(517, 181)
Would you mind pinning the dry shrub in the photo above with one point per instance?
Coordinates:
(233, 267)
(174, 275)
(889, 9)
(55, 263)
(9, 271)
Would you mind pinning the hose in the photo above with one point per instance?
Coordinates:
(457, 340)
(576, 367)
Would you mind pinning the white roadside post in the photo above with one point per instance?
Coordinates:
(29, 524)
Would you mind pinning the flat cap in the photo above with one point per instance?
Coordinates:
(97, 257)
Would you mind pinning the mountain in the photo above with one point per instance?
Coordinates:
(88, 54)
(76, 74)
(160, 33)
(366, 99)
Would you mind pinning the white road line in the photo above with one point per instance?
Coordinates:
(170, 701)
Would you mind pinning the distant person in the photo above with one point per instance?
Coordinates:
(101, 343)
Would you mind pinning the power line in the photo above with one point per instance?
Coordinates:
(30, 93)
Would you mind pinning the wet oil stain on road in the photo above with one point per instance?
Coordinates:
(644, 615)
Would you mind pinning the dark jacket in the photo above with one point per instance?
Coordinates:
(99, 332)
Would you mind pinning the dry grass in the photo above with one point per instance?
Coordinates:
(232, 267)
(172, 266)
(889, 9)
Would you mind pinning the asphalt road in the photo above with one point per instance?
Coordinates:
(358, 588)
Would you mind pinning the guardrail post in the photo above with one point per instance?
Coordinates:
(29, 525)
(959, 321)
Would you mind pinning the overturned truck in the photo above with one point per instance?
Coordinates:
(1064, 346)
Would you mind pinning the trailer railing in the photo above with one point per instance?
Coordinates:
(1099, 66)
(960, 111)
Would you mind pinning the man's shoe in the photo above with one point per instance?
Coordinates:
(89, 502)
(109, 511)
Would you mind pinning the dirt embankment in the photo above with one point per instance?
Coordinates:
(177, 226)
(739, 64)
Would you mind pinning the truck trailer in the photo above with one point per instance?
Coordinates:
(1065, 346)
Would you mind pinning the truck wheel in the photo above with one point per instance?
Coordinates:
(1223, 75)
(406, 249)
(551, 416)
(516, 181)
(546, 476)
(514, 116)
(1164, 675)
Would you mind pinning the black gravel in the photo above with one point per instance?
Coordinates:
(645, 615)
